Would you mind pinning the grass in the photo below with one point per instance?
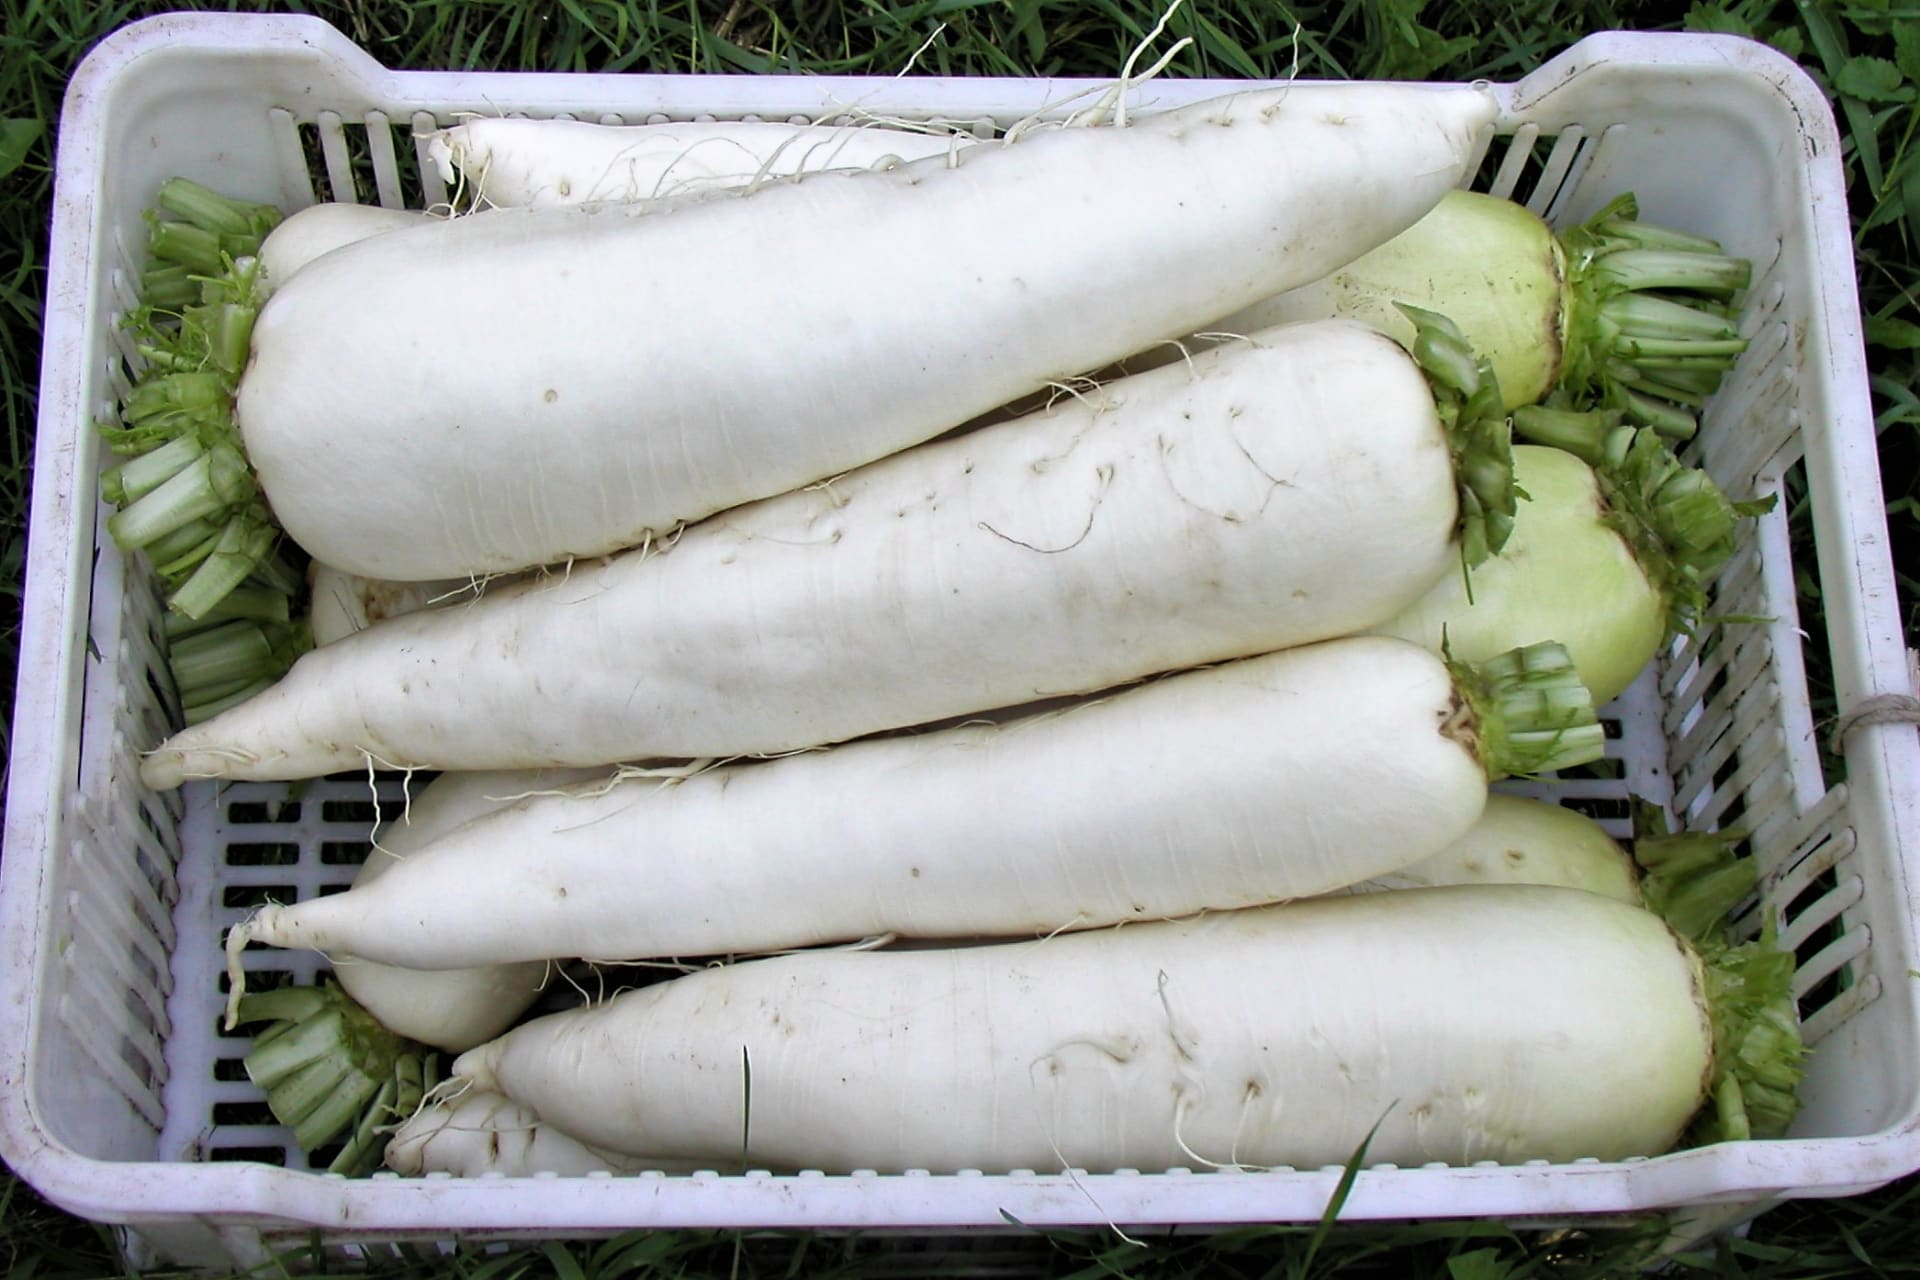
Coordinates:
(1867, 54)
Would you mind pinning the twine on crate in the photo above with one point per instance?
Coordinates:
(1882, 708)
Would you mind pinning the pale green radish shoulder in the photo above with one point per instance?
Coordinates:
(1694, 880)
(1610, 559)
(1566, 574)
(1612, 312)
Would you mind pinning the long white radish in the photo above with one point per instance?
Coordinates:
(450, 1009)
(1694, 880)
(1506, 1022)
(1253, 781)
(1515, 840)
(522, 163)
(213, 245)
(1607, 566)
(511, 162)
(531, 386)
(1611, 311)
(1270, 494)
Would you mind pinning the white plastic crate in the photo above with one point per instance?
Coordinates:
(120, 1098)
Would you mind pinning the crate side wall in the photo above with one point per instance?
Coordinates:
(237, 138)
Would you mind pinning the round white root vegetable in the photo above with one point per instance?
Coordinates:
(1503, 1022)
(1270, 494)
(521, 163)
(450, 1009)
(529, 386)
(1254, 781)
(1520, 840)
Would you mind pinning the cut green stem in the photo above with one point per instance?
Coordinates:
(1581, 432)
(1694, 269)
(1618, 223)
(1640, 298)
(280, 1005)
(361, 1152)
(247, 539)
(336, 1108)
(168, 286)
(250, 603)
(1679, 353)
(312, 1036)
(1668, 419)
(197, 251)
(164, 400)
(212, 704)
(226, 664)
(226, 654)
(1680, 525)
(220, 690)
(274, 574)
(184, 549)
(1530, 712)
(138, 477)
(203, 207)
(235, 651)
(1467, 397)
(187, 495)
(1646, 315)
(212, 483)
(398, 1099)
(1757, 1045)
(1694, 880)
(328, 1069)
